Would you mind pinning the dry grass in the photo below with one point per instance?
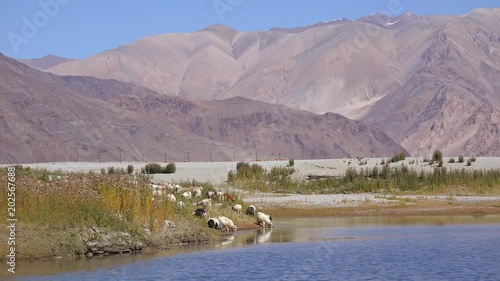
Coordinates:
(53, 213)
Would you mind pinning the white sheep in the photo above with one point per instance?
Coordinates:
(181, 204)
(226, 224)
(211, 194)
(171, 198)
(264, 220)
(214, 223)
(186, 194)
(237, 208)
(197, 191)
(205, 203)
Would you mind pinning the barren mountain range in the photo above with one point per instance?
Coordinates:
(47, 118)
(427, 81)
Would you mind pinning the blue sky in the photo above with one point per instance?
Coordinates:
(81, 28)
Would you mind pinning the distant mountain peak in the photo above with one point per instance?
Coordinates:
(45, 62)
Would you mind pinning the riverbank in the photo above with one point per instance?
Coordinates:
(350, 205)
(89, 214)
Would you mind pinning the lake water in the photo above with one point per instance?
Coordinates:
(368, 248)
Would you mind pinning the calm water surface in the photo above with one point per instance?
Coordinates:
(371, 248)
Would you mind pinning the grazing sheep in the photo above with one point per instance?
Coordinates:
(186, 194)
(237, 208)
(264, 220)
(157, 192)
(200, 212)
(211, 194)
(171, 198)
(205, 203)
(197, 192)
(227, 224)
(251, 210)
(214, 223)
(219, 195)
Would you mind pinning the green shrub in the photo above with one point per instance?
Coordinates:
(440, 163)
(152, 168)
(469, 162)
(170, 168)
(398, 157)
(461, 159)
(382, 162)
(473, 159)
(452, 160)
(103, 171)
(437, 156)
(291, 162)
(130, 169)
(111, 170)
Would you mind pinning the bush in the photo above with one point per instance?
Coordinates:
(469, 162)
(152, 168)
(452, 160)
(382, 162)
(291, 162)
(170, 168)
(111, 170)
(440, 163)
(398, 157)
(103, 171)
(437, 156)
(244, 170)
(473, 159)
(130, 169)
(460, 159)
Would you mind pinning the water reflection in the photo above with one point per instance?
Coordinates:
(285, 230)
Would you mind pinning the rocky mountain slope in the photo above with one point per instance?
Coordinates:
(428, 81)
(47, 118)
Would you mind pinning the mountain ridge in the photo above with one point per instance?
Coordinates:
(49, 118)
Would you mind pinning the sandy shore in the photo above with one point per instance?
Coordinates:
(373, 205)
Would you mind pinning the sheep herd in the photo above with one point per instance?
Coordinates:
(204, 205)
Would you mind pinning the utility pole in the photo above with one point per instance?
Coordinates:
(120, 157)
(279, 155)
(210, 156)
(99, 157)
(234, 156)
(188, 157)
(165, 157)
